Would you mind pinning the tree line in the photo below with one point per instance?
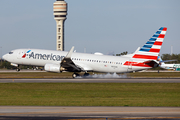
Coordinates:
(171, 57)
(7, 65)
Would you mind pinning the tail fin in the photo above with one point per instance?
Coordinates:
(151, 49)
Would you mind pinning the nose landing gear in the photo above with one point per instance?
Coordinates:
(18, 69)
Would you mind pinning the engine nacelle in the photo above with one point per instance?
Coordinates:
(13, 64)
(52, 67)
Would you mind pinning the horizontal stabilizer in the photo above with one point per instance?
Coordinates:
(166, 61)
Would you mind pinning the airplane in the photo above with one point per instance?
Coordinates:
(168, 66)
(143, 58)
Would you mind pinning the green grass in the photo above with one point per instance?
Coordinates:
(35, 75)
(90, 94)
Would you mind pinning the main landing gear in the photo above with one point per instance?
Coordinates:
(74, 75)
(86, 74)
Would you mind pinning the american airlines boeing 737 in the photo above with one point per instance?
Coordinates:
(58, 61)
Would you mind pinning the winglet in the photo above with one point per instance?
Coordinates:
(70, 52)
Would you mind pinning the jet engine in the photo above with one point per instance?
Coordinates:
(52, 67)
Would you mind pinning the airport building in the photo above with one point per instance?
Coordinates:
(60, 12)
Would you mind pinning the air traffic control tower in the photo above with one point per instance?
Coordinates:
(60, 12)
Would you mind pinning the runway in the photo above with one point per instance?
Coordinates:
(90, 112)
(89, 80)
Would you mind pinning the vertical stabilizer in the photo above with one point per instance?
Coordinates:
(151, 48)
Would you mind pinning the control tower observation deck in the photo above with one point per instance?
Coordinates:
(60, 12)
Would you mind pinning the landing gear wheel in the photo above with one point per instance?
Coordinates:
(74, 75)
(17, 69)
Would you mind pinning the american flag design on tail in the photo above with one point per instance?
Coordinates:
(152, 47)
(149, 52)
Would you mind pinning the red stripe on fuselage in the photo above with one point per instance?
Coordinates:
(145, 57)
(128, 63)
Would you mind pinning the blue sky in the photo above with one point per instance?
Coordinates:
(106, 26)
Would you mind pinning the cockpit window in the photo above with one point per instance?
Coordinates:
(10, 52)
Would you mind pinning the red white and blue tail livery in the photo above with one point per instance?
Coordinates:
(152, 47)
(58, 61)
(146, 56)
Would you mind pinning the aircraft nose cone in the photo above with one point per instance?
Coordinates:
(5, 57)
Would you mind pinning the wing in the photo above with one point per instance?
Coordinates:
(67, 64)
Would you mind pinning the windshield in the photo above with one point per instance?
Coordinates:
(10, 52)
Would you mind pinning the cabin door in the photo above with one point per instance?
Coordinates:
(130, 65)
